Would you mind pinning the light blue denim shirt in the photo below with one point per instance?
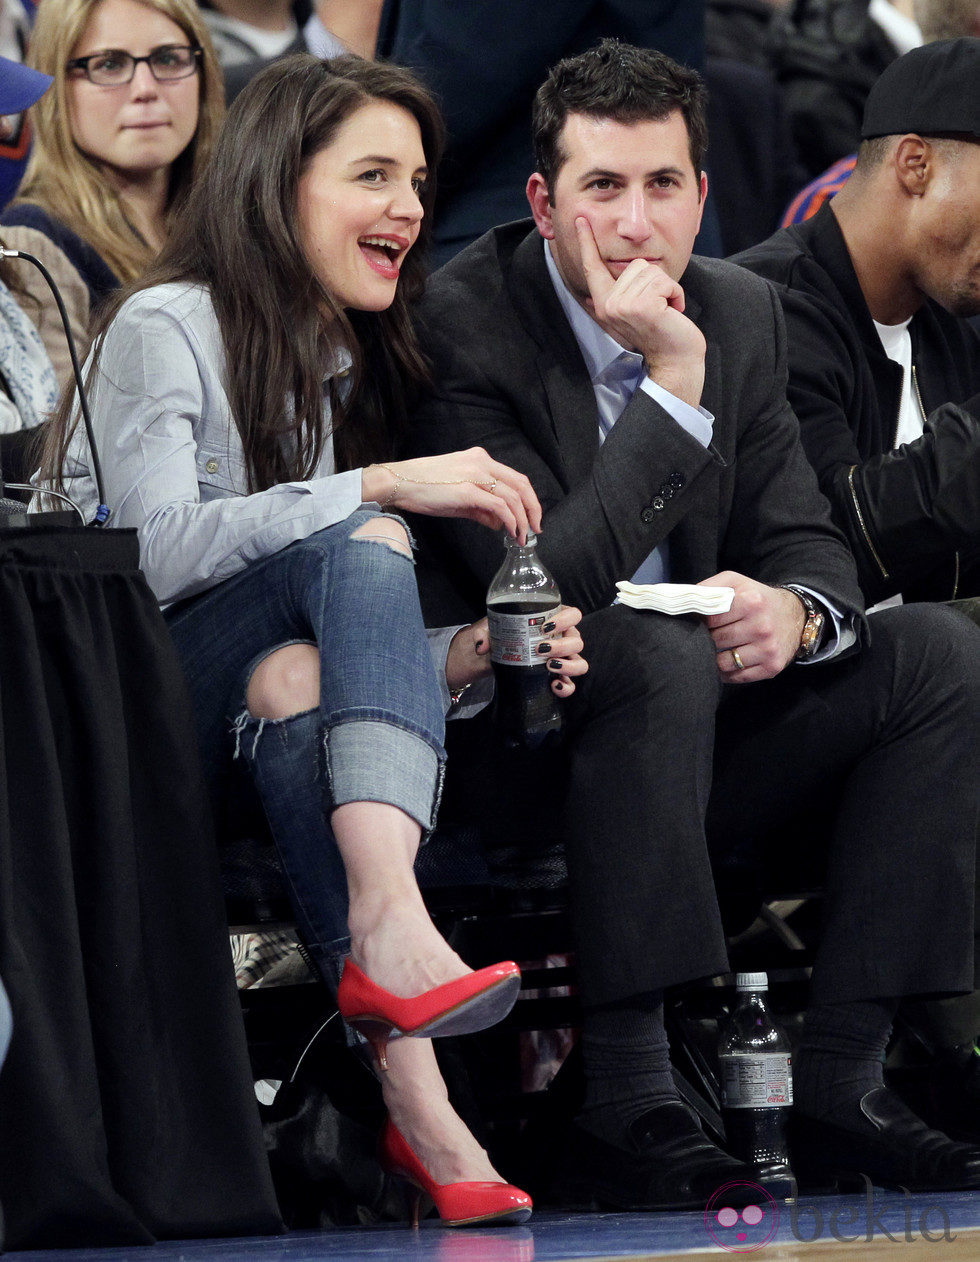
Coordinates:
(173, 463)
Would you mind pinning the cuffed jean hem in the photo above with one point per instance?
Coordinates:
(377, 760)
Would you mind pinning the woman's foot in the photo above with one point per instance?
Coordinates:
(394, 941)
(418, 1104)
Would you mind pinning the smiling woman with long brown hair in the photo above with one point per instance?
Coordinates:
(250, 395)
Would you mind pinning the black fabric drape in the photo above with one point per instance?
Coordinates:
(126, 1107)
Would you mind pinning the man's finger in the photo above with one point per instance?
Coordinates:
(596, 276)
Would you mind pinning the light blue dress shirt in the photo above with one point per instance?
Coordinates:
(322, 42)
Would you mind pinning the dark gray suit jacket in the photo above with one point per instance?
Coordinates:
(509, 376)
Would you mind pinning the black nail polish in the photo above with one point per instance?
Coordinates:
(555, 664)
(548, 626)
(544, 648)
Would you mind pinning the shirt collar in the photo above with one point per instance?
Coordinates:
(321, 42)
(598, 348)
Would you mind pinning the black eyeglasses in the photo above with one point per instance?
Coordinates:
(113, 67)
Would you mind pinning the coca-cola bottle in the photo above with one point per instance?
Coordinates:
(756, 1085)
(523, 598)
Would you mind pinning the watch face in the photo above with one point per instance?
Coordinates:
(811, 635)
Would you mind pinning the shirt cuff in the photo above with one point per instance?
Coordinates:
(695, 421)
(840, 632)
(477, 695)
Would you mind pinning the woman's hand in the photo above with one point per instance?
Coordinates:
(469, 653)
(460, 484)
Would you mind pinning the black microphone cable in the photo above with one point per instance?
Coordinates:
(102, 513)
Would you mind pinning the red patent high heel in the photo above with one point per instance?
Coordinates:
(459, 1204)
(465, 1005)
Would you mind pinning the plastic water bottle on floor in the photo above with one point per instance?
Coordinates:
(756, 1085)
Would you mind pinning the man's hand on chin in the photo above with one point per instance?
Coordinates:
(760, 634)
(643, 309)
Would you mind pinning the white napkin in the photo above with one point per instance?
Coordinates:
(676, 597)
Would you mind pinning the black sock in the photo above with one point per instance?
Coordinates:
(627, 1065)
(840, 1055)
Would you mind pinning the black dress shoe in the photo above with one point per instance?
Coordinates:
(666, 1162)
(884, 1140)
(945, 1093)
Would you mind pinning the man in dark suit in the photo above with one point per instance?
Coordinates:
(643, 393)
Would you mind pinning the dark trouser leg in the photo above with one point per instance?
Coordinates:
(641, 733)
(889, 738)
(952, 1022)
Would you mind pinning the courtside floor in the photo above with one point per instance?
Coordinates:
(877, 1224)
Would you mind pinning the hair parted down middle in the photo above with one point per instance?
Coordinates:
(65, 181)
(618, 81)
(239, 236)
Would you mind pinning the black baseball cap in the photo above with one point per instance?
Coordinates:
(20, 86)
(933, 90)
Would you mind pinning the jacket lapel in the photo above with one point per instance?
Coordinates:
(564, 379)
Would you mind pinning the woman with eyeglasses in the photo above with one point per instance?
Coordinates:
(126, 128)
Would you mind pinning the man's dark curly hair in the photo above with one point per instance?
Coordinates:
(618, 81)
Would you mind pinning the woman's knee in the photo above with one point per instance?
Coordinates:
(284, 683)
(388, 531)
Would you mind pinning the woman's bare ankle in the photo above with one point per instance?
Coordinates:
(400, 949)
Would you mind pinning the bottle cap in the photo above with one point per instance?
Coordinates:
(751, 981)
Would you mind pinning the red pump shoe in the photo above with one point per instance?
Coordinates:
(459, 1204)
(463, 1006)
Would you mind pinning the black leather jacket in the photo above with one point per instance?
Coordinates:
(912, 515)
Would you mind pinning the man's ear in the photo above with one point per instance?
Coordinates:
(913, 161)
(703, 184)
(541, 207)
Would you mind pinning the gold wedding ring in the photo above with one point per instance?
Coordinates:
(493, 485)
(739, 664)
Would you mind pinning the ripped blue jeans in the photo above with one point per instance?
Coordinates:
(377, 734)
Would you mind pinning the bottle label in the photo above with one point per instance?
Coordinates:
(757, 1080)
(514, 637)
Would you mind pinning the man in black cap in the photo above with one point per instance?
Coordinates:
(883, 369)
(884, 375)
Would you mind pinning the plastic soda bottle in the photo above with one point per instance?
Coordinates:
(756, 1085)
(522, 599)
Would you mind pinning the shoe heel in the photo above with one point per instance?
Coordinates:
(377, 1034)
(419, 1205)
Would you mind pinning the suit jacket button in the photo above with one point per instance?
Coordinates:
(677, 481)
(647, 516)
(658, 503)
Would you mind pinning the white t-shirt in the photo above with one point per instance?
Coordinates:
(897, 344)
